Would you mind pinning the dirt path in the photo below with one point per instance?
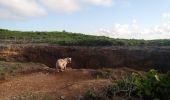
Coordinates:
(68, 85)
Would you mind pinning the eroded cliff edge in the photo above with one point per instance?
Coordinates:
(143, 58)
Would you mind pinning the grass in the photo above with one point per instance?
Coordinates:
(8, 69)
(75, 39)
(103, 74)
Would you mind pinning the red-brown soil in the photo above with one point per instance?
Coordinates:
(70, 84)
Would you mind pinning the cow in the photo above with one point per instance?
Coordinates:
(62, 63)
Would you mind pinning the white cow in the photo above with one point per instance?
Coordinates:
(62, 63)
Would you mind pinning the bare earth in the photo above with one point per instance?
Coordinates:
(69, 85)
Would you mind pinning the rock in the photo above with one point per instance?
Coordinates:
(80, 97)
(62, 97)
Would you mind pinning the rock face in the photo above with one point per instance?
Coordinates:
(143, 58)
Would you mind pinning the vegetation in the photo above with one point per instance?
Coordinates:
(75, 39)
(90, 95)
(8, 69)
(103, 73)
(150, 86)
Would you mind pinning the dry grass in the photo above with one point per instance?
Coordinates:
(9, 69)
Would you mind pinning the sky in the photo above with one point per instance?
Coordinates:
(130, 19)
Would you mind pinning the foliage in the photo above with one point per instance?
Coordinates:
(75, 39)
(123, 87)
(150, 86)
(153, 86)
(90, 95)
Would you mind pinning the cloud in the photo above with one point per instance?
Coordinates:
(20, 8)
(166, 15)
(33, 8)
(134, 31)
(7, 14)
(62, 6)
(71, 6)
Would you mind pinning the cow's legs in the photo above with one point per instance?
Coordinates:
(62, 70)
(65, 68)
(57, 70)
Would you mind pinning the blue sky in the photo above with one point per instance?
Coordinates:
(140, 19)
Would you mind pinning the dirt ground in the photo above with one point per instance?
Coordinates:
(69, 85)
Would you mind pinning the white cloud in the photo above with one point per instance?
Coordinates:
(120, 28)
(100, 2)
(133, 31)
(20, 8)
(32, 8)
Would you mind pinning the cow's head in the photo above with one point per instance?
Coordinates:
(68, 60)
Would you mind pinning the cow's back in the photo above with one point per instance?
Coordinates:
(61, 63)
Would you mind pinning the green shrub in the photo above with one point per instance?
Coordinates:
(150, 86)
(153, 86)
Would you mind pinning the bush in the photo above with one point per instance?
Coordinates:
(153, 86)
(123, 87)
(150, 86)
